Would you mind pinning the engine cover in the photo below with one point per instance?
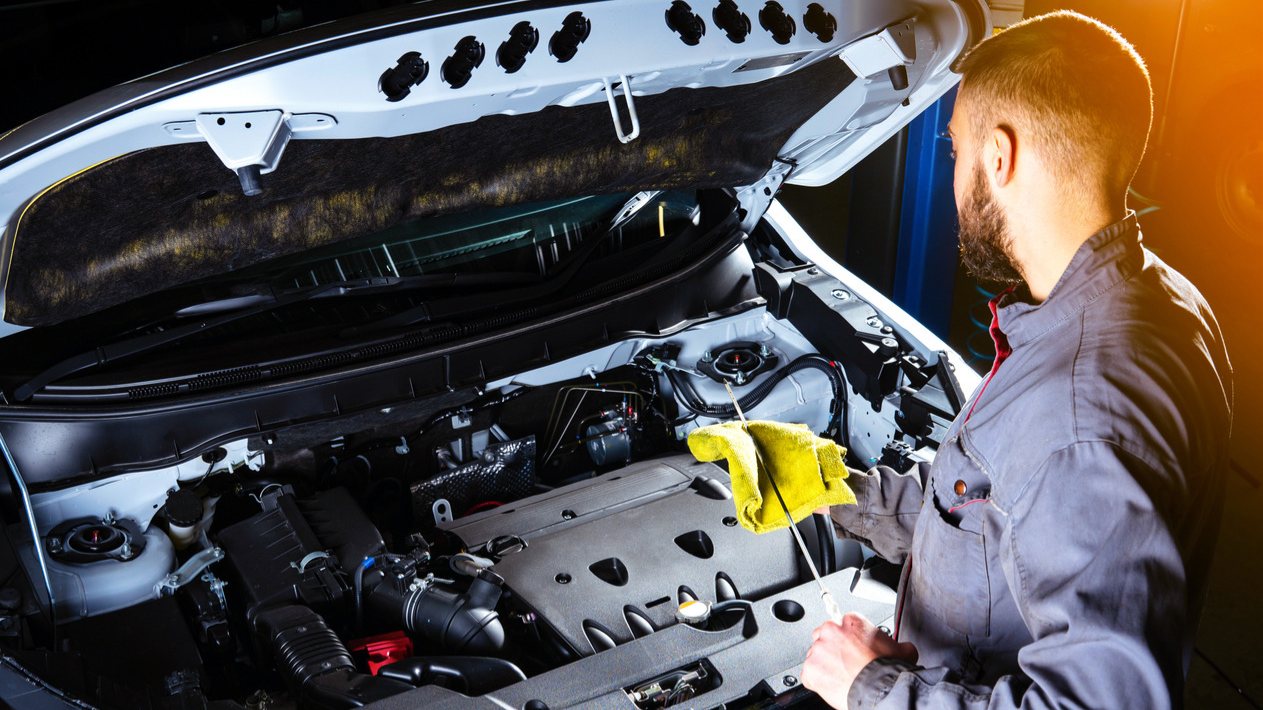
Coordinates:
(634, 542)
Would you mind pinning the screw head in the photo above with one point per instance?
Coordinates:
(707, 357)
(840, 294)
(562, 578)
(813, 271)
(567, 514)
(789, 681)
(730, 521)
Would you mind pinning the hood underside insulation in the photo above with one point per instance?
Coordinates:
(162, 217)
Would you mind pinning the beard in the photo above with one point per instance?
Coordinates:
(985, 242)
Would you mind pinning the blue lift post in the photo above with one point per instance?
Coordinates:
(925, 270)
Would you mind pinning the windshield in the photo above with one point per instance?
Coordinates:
(450, 269)
(523, 239)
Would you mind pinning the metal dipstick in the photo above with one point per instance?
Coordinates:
(830, 604)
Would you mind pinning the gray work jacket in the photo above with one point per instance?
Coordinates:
(1056, 553)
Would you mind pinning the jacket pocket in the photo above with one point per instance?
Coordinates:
(949, 575)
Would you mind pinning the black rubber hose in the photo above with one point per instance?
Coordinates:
(688, 397)
(359, 593)
(461, 623)
(316, 665)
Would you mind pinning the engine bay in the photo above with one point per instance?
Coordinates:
(542, 541)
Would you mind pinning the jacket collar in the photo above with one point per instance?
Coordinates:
(1107, 258)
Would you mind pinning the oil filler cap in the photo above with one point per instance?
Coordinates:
(693, 612)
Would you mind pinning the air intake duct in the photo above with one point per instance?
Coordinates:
(465, 624)
(315, 664)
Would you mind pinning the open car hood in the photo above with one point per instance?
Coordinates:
(348, 128)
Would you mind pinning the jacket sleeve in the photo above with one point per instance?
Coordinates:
(1100, 584)
(885, 511)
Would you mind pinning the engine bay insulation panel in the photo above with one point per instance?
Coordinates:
(199, 223)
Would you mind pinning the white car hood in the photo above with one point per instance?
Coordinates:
(248, 109)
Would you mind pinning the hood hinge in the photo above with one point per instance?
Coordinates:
(892, 50)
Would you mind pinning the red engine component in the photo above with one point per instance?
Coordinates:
(382, 650)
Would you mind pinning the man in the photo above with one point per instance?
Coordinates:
(1056, 553)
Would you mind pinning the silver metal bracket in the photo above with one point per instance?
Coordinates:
(442, 511)
(631, 110)
(249, 143)
(756, 198)
(188, 571)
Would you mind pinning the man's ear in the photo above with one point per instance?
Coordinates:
(1002, 155)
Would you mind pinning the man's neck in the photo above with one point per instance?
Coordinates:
(1049, 239)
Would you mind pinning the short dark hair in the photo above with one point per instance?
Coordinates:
(1073, 87)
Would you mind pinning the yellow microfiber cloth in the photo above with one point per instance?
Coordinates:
(808, 469)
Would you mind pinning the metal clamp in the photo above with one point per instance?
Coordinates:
(307, 559)
(188, 571)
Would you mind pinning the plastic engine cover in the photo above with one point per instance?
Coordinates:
(629, 542)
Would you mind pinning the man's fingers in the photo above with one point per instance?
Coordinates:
(828, 628)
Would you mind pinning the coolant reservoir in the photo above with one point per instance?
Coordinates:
(184, 515)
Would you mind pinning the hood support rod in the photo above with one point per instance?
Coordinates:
(631, 110)
(36, 539)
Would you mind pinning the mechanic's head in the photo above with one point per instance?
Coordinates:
(1052, 111)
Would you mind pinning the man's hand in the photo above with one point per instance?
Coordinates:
(840, 651)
